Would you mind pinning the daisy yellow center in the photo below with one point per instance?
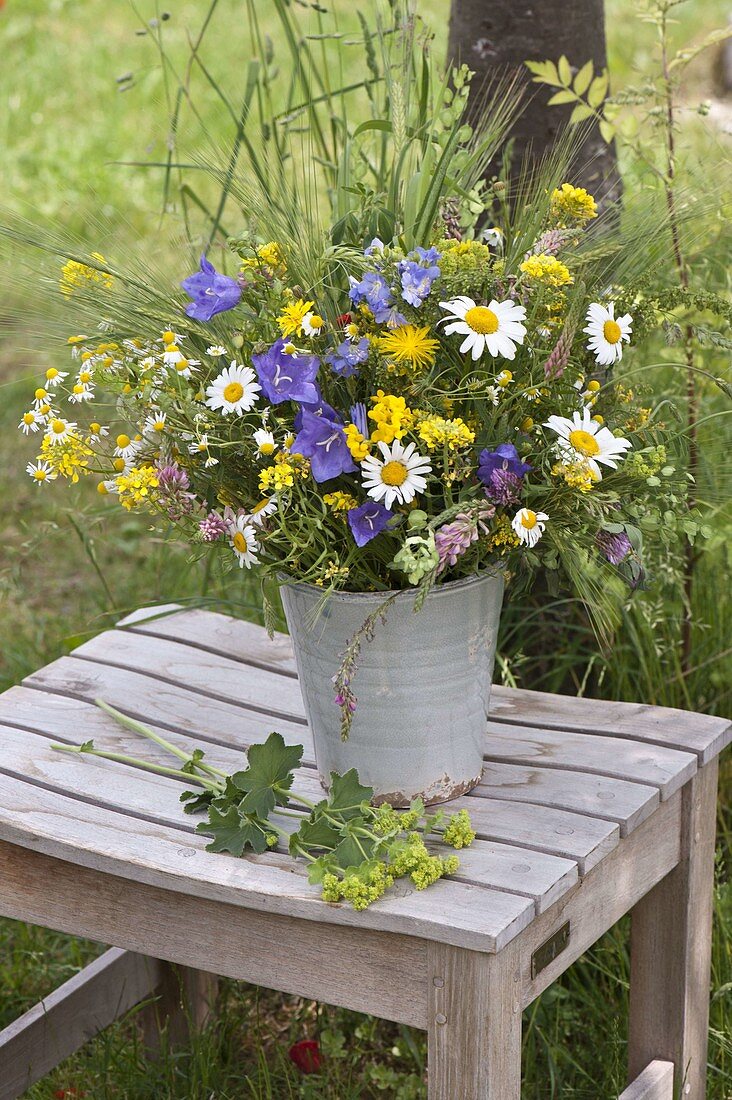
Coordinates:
(316, 321)
(584, 442)
(394, 473)
(39, 475)
(528, 519)
(233, 392)
(240, 543)
(611, 332)
(58, 427)
(123, 441)
(481, 319)
(182, 365)
(51, 373)
(266, 448)
(28, 418)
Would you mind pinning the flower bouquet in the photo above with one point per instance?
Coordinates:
(402, 407)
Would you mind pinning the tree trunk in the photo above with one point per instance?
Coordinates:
(492, 36)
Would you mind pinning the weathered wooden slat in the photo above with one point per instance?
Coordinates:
(656, 1082)
(61, 1023)
(82, 833)
(704, 734)
(667, 769)
(357, 968)
(153, 798)
(582, 792)
(584, 840)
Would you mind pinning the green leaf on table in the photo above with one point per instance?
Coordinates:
(316, 834)
(190, 765)
(233, 832)
(320, 867)
(271, 766)
(195, 801)
(347, 794)
(352, 852)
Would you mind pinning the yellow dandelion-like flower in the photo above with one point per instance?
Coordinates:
(137, 487)
(391, 416)
(340, 502)
(292, 316)
(74, 276)
(437, 432)
(572, 205)
(409, 344)
(546, 269)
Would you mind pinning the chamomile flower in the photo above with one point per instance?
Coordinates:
(493, 237)
(243, 541)
(312, 324)
(41, 397)
(31, 421)
(148, 363)
(186, 368)
(154, 424)
(126, 448)
(266, 444)
(397, 476)
(215, 351)
(607, 333)
(170, 337)
(55, 377)
(59, 430)
(584, 438)
(234, 390)
(172, 355)
(198, 445)
(529, 526)
(266, 507)
(40, 471)
(80, 393)
(98, 431)
(496, 328)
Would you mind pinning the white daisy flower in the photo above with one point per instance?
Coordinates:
(505, 378)
(211, 461)
(98, 430)
(172, 355)
(216, 350)
(148, 363)
(495, 328)
(41, 398)
(154, 424)
(55, 377)
(493, 394)
(58, 430)
(266, 507)
(529, 526)
(493, 237)
(311, 324)
(398, 476)
(31, 421)
(169, 337)
(607, 333)
(234, 391)
(243, 541)
(81, 393)
(586, 439)
(265, 441)
(198, 445)
(126, 448)
(40, 471)
(186, 368)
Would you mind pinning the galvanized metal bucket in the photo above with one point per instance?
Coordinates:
(423, 684)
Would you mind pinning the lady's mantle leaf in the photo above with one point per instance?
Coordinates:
(195, 801)
(233, 832)
(270, 765)
(347, 794)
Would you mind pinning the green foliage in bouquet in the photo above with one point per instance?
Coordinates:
(406, 375)
(355, 850)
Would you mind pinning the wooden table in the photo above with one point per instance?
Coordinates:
(586, 810)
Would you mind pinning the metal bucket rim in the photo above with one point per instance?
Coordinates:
(398, 594)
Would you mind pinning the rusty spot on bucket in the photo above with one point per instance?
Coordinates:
(443, 790)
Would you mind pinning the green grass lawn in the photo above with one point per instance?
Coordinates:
(66, 571)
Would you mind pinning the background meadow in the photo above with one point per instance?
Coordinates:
(82, 90)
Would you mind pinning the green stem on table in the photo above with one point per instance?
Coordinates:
(135, 762)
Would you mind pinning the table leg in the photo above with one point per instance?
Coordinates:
(671, 938)
(182, 1005)
(474, 1024)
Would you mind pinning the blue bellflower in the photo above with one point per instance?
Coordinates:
(211, 292)
(287, 377)
(323, 441)
(502, 472)
(347, 357)
(368, 521)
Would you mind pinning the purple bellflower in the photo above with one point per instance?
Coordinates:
(211, 292)
(502, 472)
(286, 377)
(323, 441)
(367, 521)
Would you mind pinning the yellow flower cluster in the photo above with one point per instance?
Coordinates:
(547, 269)
(282, 474)
(74, 275)
(291, 318)
(137, 487)
(357, 444)
(502, 534)
(391, 416)
(572, 205)
(437, 432)
(268, 256)
(340, 502)
(409, 345)
(576, 474)
(69, 458)
(464, 258)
